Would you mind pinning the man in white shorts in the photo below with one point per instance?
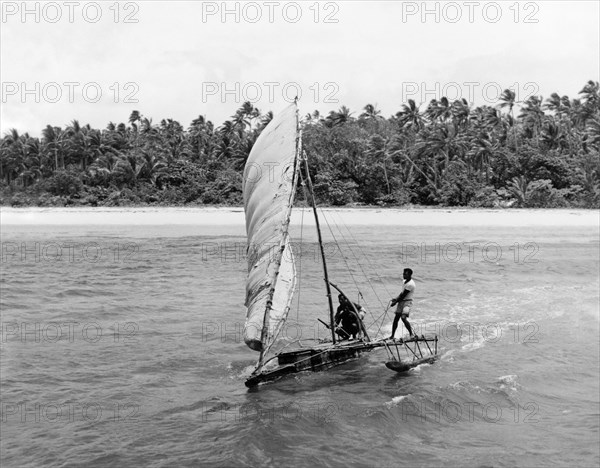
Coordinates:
(404, 301)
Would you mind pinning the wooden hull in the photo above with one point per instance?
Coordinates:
(311, 359)
(327, 355)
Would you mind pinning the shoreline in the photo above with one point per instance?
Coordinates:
(234, 215)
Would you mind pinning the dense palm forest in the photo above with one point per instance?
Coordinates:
(537, 153)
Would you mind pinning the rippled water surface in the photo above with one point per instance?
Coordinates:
(121, 346)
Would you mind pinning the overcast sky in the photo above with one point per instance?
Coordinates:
(97, 62)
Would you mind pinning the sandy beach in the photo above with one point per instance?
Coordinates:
(228, 216)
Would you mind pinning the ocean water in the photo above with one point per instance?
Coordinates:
(121, 346)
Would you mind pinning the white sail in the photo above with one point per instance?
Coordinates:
(269, 183)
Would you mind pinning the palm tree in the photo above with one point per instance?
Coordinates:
(578, 113)
(508, 99)
(117, 137)
(152, 168)
(561, 107)
(201, 138)
(147, 129)
(409, 116)
(378, 152)
(555, 104)
(439, 110)
(370, 112)
(523, 189)
(128, 169)
(493, 122)
(32, 160)
(241, 119)
(340, 117)
(103, 168)
(397, 152)
(445, 141)
(552, 135)
(173, 139)
(591, 96)
(77, 143)
(54, 141)
(228, 141)
(11, 156)
(592, 130)
(438, 147)
(265, 119)
(460, 111)
(481, 153)
(135, 117)
(532, 116)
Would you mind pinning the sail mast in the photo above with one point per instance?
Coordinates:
(314, 206)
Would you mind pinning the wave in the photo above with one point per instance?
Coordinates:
(505, 386)
(509, 382)
(396, 401)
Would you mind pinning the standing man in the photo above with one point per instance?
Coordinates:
(404, 301)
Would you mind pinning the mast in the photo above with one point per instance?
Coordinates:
(314, 206)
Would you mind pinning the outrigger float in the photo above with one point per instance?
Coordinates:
(414, 360)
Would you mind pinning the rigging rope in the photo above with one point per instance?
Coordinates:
(355, 259)
(384, 315)
(366, 257)
(338, 246)
(375, 320)
(355, 256)
(300, 262)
